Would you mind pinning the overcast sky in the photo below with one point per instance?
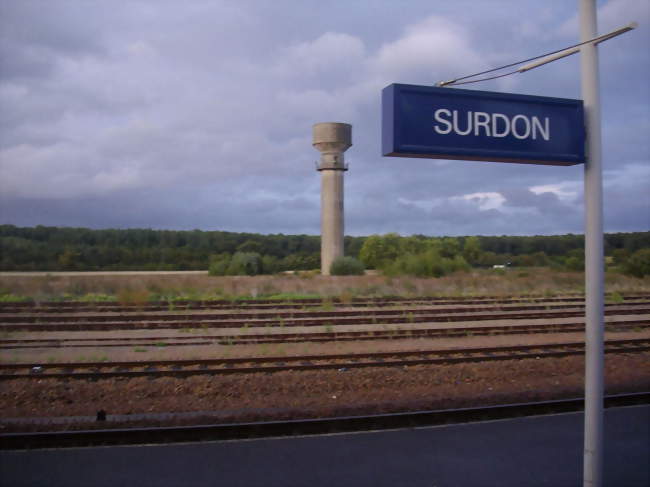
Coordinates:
(198, 114)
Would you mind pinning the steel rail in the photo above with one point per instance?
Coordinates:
(307, 362)
(295, 314)
(424, 332)
(77, 307)
(294, 302)
(259, 338)
(309, 301)
(300, 427)
(402, 317)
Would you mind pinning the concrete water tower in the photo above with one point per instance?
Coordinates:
(331, 140)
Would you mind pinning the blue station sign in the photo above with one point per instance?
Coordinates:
(448, 123)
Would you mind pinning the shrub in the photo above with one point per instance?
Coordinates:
(13, 298)
(300, 261)
(240, 264)
(616, 297)
(132, 296)
(620, 257)
(575, 264)
(347, 266)
(426, 264)
(638, 265)
(96, 298)
(245, 263)
(219, 265)
(270, 264)
(575, 260)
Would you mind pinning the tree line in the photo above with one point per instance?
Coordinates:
(44, 248)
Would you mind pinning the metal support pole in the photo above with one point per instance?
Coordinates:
(594, 256)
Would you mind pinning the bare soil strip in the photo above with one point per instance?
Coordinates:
(310, 394)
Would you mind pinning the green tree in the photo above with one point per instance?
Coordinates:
(250, 246)
(270, 264)
(300, 262)
(68, 260)
(412, 245)
(537, 259)
(54, 248)
(638, 265)
(472, 250)
(449, 247)
(219, 264)
(489, 258)
(352, 245)
(378, 250)
(621, 256)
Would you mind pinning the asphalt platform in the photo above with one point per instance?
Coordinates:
(523, 452)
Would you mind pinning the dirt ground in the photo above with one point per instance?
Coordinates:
(308, 394)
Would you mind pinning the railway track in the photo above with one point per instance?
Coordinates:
(266, 304)
(11, 323)
(30, 316)
(341, 362)
(266, 429)
(279, 338)
(264, 321)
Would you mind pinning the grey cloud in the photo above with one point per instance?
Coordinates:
(34, 34)
(199, 115)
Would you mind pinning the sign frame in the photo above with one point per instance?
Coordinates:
(403, 134)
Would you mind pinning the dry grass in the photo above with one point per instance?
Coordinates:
(139, 288)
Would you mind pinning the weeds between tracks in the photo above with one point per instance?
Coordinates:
(144, 288)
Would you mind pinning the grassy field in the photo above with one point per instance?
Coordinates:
(142, 287)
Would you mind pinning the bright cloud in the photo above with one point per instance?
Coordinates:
(565, 191)
(485, 201)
